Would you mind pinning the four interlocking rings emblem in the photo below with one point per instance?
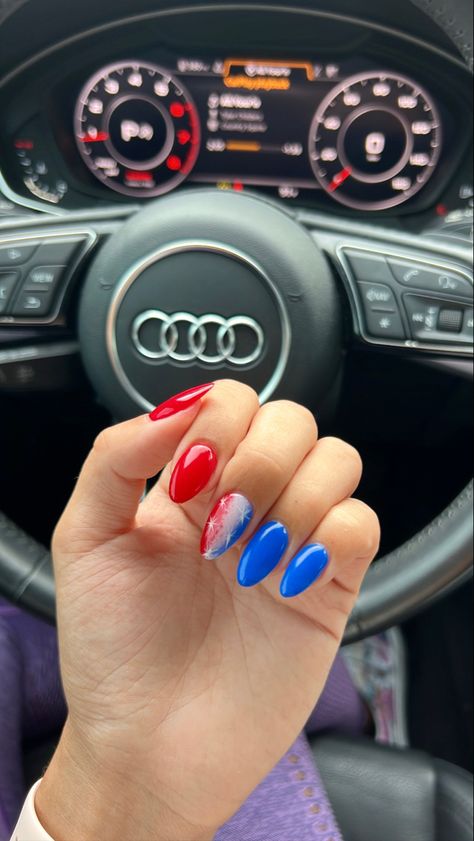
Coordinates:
(197, 337)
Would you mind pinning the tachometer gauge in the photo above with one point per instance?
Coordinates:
(375, 141)
(137, 129)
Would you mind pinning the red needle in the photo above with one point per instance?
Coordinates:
(97, 138)
(339, 179)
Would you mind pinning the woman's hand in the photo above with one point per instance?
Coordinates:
(185, 688)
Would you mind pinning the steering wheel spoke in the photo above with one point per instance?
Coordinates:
(406, 292)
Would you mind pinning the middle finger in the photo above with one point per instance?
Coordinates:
(280, 437)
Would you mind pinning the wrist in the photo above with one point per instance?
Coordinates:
(84, 799)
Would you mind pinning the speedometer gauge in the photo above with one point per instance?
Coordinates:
(375, 141)
(137, 129)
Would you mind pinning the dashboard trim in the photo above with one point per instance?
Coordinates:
(211, 7)
(30, 204)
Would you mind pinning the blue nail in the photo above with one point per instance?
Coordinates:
(304, 570)
(263, 554)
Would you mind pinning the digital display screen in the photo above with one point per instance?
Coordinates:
(256, 117)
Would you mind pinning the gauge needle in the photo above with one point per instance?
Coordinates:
(97, 138)
(339, 179)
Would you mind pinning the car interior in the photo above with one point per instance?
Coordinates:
(282, 194)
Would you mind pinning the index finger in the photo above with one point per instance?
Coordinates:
(111, 483)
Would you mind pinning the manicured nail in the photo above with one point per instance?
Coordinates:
(263, 554)
(180, 402)
(305, 568)
(192, 472)
(226, 523)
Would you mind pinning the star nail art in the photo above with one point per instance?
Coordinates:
(226, 523)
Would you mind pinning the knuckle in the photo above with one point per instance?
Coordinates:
(346, 453)
(366, 527)
(103, 442)
(299, 416)
(237, 391)
(373, 533)
(267, 465)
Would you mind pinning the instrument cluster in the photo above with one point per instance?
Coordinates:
(322, 132)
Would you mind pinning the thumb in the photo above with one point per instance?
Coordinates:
(107, 494)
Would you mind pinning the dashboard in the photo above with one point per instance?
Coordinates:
(358, 124)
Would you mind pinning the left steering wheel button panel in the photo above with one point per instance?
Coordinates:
(44, 268)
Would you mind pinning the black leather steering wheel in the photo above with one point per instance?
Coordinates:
(437, 559)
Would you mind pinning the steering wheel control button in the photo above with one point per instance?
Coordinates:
(32, 304)
(44, 279)
(385, 325)
(7, 284)
(450, 320)
(16, 255)
(423, 315)
(369, 267)
(437, 279)
(377, 298)
(432, 322)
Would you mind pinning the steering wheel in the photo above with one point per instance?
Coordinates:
(251, 290)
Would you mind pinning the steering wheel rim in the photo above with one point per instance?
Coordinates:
(423, 569)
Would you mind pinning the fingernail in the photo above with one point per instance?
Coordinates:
(180, 402)
(305, 568)
(192, 472)
(263, 554)
(226, 523)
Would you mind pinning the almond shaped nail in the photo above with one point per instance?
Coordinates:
(180, 402)
(192, 472)
(262, 554)
(226, 523)
(305, 568)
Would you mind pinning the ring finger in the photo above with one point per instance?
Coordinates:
(329, 474)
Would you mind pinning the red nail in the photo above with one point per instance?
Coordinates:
(180, 402)
(192, 472)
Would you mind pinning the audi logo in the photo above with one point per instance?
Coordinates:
(184, 337)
